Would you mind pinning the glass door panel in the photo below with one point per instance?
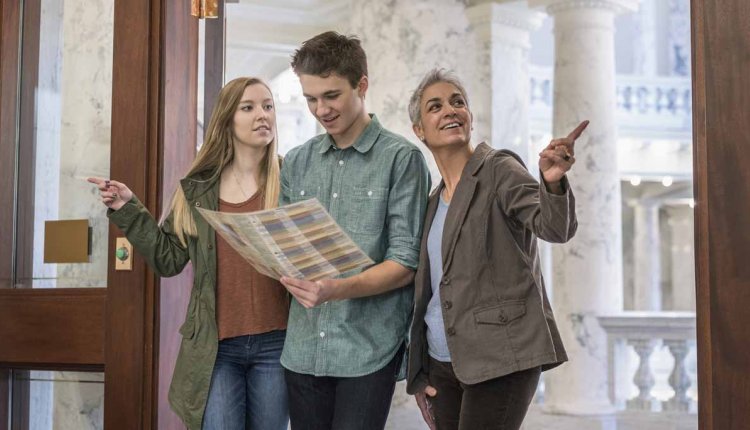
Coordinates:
(60, 400)
(64, 137)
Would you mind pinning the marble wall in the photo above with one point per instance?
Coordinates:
(404, 40)
(79, 401)
(86, 95)
(47, 134)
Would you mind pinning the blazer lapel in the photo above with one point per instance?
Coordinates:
(459, 205)
(454, 219)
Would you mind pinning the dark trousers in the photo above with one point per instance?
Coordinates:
(331, 403)
(497, 404)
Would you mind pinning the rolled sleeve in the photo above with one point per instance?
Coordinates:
(407, 202)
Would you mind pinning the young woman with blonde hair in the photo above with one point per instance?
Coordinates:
(227, 374)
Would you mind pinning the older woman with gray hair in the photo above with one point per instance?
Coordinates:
(483, 328)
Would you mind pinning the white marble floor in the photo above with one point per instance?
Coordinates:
(406, 416)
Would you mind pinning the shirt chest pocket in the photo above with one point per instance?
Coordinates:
(367, 208)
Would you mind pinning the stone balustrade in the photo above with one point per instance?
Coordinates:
(647, 107)
(644, 331)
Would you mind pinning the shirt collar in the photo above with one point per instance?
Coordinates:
(363, 143)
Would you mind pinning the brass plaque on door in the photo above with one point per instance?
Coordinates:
(67, 241)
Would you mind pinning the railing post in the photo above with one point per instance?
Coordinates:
(643, 378)
(679, 379)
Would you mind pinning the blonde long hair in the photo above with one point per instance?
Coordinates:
(217, 152)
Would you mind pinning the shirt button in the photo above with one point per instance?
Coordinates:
(446, 280)
(302, 193)
(210, 246)
(450, 331)
(341, 162)
(322, 334)
(197, 204)
(447, 304)
(369, 193)
(335, 195)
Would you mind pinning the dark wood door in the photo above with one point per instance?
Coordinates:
(721, 130)
(114, 327)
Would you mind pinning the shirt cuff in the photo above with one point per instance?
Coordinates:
(404, 251)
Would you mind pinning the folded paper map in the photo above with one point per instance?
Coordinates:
(300, 240)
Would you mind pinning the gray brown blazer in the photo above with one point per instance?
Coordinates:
(497, 316)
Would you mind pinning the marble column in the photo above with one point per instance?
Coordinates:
(679, 37)
(683, 257)
(646, 262)
(406, 38)
(587, 270)
(502, 31)
(645, 55)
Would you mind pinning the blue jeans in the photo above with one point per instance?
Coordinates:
(247, 385)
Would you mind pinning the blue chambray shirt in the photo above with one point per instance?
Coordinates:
(377, 191)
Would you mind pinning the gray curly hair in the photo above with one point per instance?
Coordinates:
(434, 76)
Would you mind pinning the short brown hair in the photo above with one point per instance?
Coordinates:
(331, 52)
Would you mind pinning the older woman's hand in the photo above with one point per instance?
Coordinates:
(558, 157)
(426, 407)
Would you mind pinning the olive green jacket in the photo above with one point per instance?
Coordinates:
(166, 256)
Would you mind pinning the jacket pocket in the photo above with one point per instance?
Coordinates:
(500, 314)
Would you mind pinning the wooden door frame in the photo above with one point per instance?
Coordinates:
(156, 110)
(721, 137)
(154, 84)
(10, 36)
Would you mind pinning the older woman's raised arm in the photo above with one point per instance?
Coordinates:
(546, 209)
(551, 217)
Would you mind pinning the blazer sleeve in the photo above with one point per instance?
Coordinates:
(550, 217)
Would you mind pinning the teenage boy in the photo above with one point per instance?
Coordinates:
(345, 338)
